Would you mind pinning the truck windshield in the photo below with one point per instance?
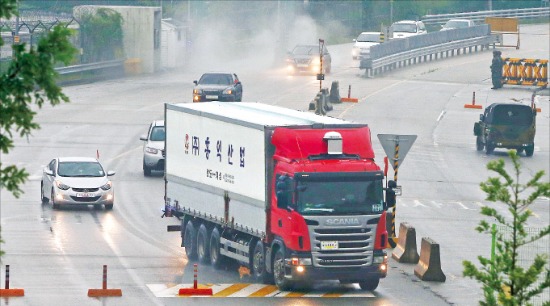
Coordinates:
(343, 196)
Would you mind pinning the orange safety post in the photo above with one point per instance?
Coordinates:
(473, 105)
(349, 99)
(7, 292)
(195, 290)
(104, 291)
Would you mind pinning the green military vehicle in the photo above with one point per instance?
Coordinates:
(506, 125)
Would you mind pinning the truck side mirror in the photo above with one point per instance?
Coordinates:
(390, 194)
(283, 191)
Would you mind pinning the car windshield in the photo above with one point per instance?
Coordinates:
(368, 37)
(513, 116)
(456, 24)
(158, 134)
(342, 196)
(404, 27)
(80, 169)
(305, 50)
(216, 79)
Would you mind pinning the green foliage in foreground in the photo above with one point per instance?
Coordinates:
(504, 280)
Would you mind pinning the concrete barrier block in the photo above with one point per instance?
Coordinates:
(429, 265)
(405, 251)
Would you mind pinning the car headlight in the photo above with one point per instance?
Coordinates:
(61, 186)
(197, 91)
(228, 91)
(107, 186)
(151, 150)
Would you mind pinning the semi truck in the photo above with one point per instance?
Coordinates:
(292, 196)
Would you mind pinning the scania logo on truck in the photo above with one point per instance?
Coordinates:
(343, 221)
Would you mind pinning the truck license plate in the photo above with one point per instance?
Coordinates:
(329, 245)
(211, 97)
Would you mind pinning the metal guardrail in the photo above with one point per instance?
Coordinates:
(538, 12)
(87, 73)
(90, 67)
(407, 51)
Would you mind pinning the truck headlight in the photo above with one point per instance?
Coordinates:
(380, 259)
(297, 261)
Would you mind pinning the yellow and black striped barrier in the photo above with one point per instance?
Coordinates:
(524, 71)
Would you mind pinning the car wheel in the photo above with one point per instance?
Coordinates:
(279, 272)
(216, 259)
(42, 196)
(370, 284)
(203, 245)
(146, 170)
(54, 205)
(529, 150)
(479, 144)
(190, 241)
(258, 263)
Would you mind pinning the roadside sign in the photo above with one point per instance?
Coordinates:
(391, 142)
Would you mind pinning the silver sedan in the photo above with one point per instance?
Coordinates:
(77, 181)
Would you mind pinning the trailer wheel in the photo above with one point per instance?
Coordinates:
(370, 284)
(216, 259)
(203, 245)
(190, 241)
(279, 271)
(258, 263)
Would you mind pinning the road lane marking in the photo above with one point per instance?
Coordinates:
(256, 290)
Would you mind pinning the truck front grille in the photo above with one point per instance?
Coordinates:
(355, 246)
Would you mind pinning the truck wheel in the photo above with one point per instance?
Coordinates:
(216, 259)
(479, 144)
(370, 284)
(529, 150)
(203, 245)
(489, 148)
(190, 241)
(279, 272)
(258, 263)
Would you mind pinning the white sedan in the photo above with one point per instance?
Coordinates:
(77, 181)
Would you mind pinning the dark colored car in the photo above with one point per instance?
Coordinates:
(506, 125)
(307, 59)
(218, 86)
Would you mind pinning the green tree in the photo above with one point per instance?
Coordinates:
(504, 280)
(102, 36)
(29, 79)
